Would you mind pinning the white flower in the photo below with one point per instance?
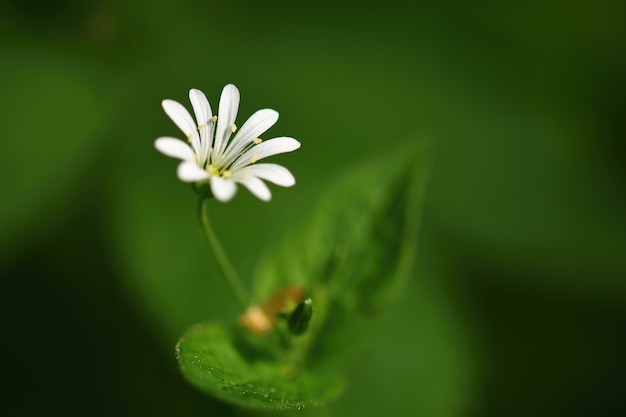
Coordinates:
(212, 155)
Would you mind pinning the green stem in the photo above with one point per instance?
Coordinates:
(228, 272)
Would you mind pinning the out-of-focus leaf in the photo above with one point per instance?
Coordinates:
(53, 119)
(355, 253)
(210, 360)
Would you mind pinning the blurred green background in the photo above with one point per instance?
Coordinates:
(517, 306)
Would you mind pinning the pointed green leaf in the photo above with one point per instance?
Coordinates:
(355, 252)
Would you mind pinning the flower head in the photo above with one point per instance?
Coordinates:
(218, 152)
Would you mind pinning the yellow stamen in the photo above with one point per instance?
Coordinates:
(233, 127)
(190, 137)
(254, 158)
(214, 119)
(202, 126)
(227, 175)
(256, 141)
(212, 170)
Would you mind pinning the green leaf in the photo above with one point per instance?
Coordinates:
(211, 361)
(354, 255)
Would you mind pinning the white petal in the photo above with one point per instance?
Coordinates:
(265, 149)
(203, 112)
(190, 172)
(181, 117)
(257, 187)
(223, 190)
(277, 174)
(254, 127)
(227, 113)
(201, 106)
(174, 148)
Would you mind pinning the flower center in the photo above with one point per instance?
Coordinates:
(214, 171)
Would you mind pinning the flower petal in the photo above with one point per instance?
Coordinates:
(265, 149)
(257, 187)
(277, 174)
(181, 117)
(203, 112)
(174, 148)
(227, 113)
(254, 127)
(223, 190)
(201, 106)
(190, 172)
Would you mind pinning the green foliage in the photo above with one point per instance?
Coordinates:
(210, 359)
(352, 257)
(355, 253)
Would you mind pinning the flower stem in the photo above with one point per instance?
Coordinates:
(228, 272)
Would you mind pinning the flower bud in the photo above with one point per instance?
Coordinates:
(301, 317)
